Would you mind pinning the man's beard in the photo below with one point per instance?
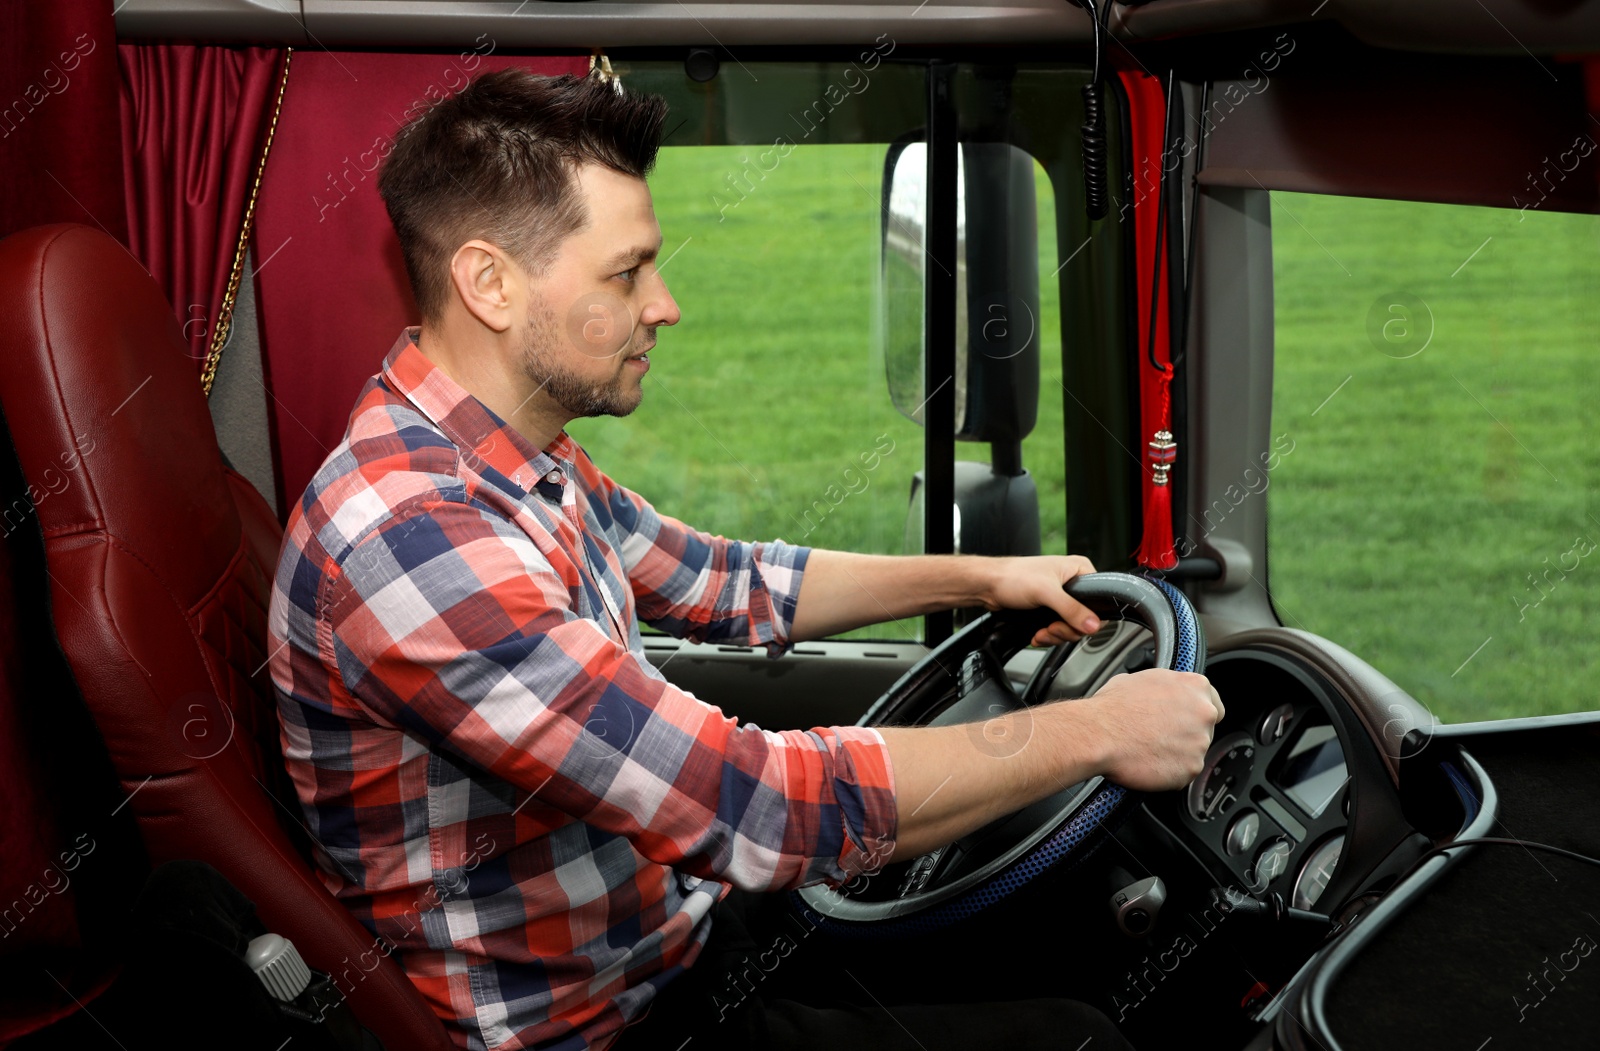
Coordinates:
(576, 394)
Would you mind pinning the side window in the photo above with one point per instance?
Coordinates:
(767, 411)
(1433, 508)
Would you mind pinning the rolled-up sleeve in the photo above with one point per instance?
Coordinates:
(702, 587)
(450, 623)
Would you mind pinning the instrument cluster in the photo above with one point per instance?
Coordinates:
(1272, 802)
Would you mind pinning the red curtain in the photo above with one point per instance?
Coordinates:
(60, 150)
(193, 122)
(331, 289)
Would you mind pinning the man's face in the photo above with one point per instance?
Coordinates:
(593, 314)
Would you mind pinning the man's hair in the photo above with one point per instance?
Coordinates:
(497, 161)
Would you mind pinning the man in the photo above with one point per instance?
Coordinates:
(506, 791)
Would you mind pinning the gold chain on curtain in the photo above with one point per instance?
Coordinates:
(219, 335)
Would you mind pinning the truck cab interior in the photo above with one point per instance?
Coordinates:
(1292, 306)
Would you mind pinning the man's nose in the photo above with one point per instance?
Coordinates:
(662, 309)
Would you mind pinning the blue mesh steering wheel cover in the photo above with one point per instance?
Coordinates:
(1186, 650)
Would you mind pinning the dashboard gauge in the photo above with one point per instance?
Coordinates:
(1316, 872)
(1243, 833)
(1224, 777)
(1275, 724)
(1271, 863)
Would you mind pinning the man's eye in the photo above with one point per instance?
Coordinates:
(629, 274)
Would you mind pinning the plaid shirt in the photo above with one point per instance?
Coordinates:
(502, 788)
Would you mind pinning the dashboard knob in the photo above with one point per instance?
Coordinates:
(1275, 724)
(1243, 833)
(1272, 862)
(1136, 905)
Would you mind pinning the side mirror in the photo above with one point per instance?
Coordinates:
(996, 508)
(997, 288)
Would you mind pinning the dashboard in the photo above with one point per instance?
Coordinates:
(1298, 798)
(1293, 831)
(1292, 834)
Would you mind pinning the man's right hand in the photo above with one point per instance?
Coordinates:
(1155, 727)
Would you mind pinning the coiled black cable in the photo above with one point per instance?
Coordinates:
(1095, 195)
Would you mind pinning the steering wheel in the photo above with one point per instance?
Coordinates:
(963, 681)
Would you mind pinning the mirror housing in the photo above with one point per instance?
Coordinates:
(995, 514)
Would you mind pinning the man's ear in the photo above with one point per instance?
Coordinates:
(481, 277)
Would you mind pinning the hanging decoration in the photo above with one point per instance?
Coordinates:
(1147, 112)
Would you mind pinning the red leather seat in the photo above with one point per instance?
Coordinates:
(161, 561)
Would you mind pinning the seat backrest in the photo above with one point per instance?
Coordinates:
(69, 866)
(161, 561)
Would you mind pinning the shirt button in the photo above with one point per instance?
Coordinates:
(554, 477)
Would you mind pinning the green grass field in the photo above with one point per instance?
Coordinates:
(1404, 525)
(1426, 501)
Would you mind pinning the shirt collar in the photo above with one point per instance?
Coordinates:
(481, 435)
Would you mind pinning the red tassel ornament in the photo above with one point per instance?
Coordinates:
(1147, 103)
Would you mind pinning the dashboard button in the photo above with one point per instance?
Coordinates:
(1272, 862)
(1275, 724)
(1243, 833)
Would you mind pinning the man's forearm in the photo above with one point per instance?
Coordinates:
(947, 784)
(841, 591)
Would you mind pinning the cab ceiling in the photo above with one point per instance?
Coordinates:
(1466, 26)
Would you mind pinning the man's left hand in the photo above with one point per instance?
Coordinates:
(1034, 582)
